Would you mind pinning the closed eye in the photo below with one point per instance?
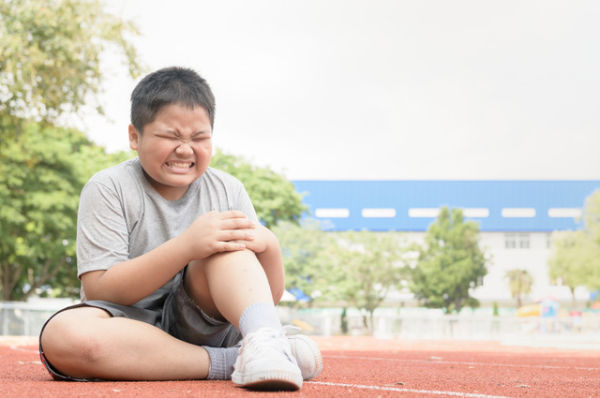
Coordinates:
(168, 137)
(201, 135)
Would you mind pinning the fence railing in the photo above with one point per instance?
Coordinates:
(27, 319)
(437, 326)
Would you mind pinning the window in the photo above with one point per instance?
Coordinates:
(378, 213)
(517, 241)
(523, 241)
(478, 212)
(518, 212)
(562, 212)
(427, 212)
(332, 213)
(510, 241)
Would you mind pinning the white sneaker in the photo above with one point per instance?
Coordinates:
(265, 362)
(305, 350)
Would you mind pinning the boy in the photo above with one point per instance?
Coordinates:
(174, 267)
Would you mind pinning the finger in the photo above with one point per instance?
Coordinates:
(238, 223)
(237, 235)
(230, 246)
(233, 214)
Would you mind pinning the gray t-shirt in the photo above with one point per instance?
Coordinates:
(121, 216)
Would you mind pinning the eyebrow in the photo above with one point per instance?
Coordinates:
(177, 133)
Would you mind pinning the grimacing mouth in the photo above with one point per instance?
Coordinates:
(180, 164)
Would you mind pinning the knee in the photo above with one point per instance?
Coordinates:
(67, 343)
(200, 272)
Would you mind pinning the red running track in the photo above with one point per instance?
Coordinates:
(355, 367)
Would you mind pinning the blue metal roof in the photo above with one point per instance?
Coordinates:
(403, 205)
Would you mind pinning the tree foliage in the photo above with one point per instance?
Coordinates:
(354, 269)
(50, 56)
(41, 175)
(569, 258)
(575, 258)
(450, 264)
(591, 217)
(307, 258)
(274, 197)
(369, 265)
(50, 64)
(520, 282)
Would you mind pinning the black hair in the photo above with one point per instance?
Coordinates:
(173, 85)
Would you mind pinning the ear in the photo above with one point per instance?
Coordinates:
(134, 137)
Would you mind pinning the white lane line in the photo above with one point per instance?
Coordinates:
(17, 348)
(407, 390)
(442, 362)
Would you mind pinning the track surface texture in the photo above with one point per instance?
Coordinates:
(355, 367)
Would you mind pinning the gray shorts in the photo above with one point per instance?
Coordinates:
(172, 311)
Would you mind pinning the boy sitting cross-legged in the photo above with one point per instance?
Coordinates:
(175, 269)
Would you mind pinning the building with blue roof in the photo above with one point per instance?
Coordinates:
(516, 218)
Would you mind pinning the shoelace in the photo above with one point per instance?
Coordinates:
(267, 339)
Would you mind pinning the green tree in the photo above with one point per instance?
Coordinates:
(568, 260)
(50, 65)
(274, 197)
(368, 266)
(353, 268)
(520, 282)
(306, 252)
(575, 258)
(591, 216)
(450, 264)
(50, 57)
(41, 175)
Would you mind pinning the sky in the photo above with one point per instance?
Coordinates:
(381, 89)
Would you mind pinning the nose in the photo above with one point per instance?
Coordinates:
(184, 149)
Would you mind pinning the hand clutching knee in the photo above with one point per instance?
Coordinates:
(217, 232)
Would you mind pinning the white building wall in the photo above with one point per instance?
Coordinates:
(530, 251)
(523, 250)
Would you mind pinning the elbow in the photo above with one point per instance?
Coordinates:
(277, 295)
(112, 298)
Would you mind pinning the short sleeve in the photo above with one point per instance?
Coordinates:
(244, 204)
(102, 235)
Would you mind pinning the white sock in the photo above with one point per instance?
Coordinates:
(259, 315)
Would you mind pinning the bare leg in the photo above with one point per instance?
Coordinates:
(225, 284)
(86, 342)
(89, 343)
(238, 285)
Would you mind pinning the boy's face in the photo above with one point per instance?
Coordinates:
(175, 149)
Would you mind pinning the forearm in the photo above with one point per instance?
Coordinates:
(129, 281)
(272, 263)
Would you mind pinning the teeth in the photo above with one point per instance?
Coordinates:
(180, 164)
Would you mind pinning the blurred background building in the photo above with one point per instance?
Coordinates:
(516, 219)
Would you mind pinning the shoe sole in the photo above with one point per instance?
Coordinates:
(269, 381)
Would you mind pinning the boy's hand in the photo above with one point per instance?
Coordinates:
(217, 232)
(261, 239)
